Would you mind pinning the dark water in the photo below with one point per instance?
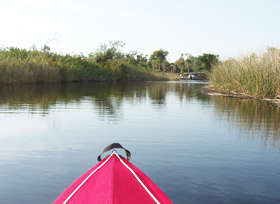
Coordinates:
(196, 148)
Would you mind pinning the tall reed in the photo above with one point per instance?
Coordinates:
(253, 75)
(32, 66)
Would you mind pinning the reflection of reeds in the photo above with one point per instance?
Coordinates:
(42, 96)
(254, 75)
(254, 118)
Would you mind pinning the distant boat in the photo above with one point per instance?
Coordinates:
(193, 75)
(113, 180)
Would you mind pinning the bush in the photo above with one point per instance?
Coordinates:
(33, 66)
(254, 75)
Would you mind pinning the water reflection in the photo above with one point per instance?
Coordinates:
(51, 133)
(255, 119)
(107, 97)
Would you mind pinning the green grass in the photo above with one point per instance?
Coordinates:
(19, 66)
(253, 75)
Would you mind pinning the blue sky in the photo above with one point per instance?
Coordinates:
(223, 27)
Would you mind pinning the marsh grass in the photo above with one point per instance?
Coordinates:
(253, 75)
(17, 71)
(19, 66)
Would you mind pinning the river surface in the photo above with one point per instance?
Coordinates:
(196, 148)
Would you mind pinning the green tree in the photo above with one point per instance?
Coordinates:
(191, 62)
(181, 63)
(158, 59)
(168, 66)
(108, 51)
(136, 58)
(206, 61)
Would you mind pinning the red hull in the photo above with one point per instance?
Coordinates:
(114, 180)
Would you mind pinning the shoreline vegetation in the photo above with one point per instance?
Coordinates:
(250, 77)
(209, 90)
(256, 76)
(107, 63)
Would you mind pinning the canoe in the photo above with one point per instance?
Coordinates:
(114, 180)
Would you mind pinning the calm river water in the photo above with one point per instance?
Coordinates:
(196, 148)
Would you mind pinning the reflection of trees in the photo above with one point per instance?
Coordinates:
(43, 96)
(159, 90)
(157, 93)
(106, 106)
(32, 97)
(108, 98)
(254, 118)
(191, 91)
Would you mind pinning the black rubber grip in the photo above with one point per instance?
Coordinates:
(113, 146)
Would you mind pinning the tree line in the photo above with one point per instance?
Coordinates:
(157, 60)
(107, 63)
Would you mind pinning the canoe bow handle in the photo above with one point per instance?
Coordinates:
(113, 146)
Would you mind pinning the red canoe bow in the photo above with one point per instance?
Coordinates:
(114, 180)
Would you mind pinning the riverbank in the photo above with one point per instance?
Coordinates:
(21, 66)
(209, 90)
(255, 75)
